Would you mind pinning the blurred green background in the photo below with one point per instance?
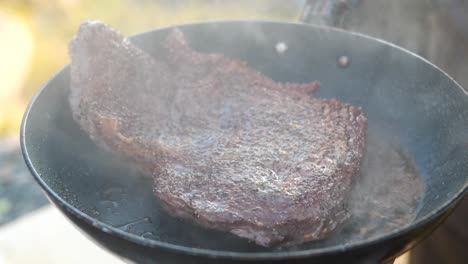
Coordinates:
(34, 35)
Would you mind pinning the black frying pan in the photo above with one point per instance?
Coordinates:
(403, 95)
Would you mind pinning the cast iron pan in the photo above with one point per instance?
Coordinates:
(403, 95)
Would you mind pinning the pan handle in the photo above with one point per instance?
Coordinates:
(327, 12)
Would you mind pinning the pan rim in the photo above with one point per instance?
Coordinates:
(234, 254)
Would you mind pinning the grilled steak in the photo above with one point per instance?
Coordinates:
(227, 147)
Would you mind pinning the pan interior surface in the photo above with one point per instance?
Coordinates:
(407, 100)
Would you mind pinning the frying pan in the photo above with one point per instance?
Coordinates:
(403, 95)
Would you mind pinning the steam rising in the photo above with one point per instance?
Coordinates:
(385, 197)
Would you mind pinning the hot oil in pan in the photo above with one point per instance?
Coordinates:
(384, 198)
(387, 195)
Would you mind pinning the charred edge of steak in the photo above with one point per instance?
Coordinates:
(289, 233)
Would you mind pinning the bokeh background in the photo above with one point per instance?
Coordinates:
(34, 37)
(34, 34)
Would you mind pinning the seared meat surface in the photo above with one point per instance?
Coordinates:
(227, 147)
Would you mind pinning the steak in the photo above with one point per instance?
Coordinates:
(226, 146)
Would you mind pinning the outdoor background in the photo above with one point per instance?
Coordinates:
(34, 34)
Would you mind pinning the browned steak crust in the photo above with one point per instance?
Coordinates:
(227, 147)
